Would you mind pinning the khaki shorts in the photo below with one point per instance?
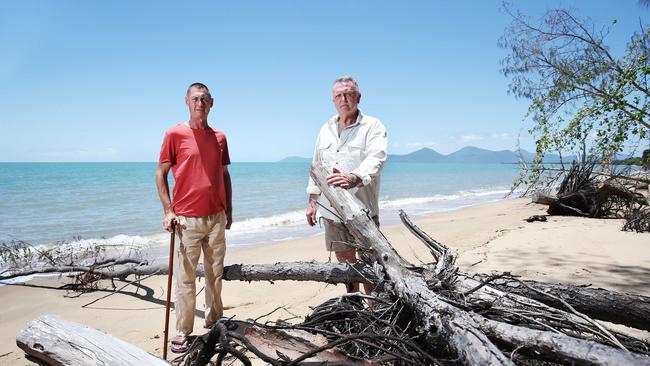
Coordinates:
(338, 238)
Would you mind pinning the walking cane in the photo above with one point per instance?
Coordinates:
(169, 288)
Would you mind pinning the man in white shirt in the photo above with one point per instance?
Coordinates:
(354, 146)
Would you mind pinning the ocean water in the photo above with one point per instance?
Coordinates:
(117, 203)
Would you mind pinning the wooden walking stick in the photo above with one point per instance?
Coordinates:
(169, 288)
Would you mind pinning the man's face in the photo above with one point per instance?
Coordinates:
(199, 102)
(346, 97)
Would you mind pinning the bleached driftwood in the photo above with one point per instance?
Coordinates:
(627, 309)
(438, 318)
(631, 310)
(458, 327)
(57, 342)
(53, 341)
(282, 271)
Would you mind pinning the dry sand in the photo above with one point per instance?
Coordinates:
(489, 237)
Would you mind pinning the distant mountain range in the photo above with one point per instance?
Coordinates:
(294, 159)
(469, 154)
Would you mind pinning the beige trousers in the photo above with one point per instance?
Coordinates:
(338, 237)
(194, 234)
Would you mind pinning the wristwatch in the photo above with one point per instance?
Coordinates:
(353, 179)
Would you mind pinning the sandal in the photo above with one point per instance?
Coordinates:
(180, 344)
(230, 325)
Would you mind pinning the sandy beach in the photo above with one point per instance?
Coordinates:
(489, 237)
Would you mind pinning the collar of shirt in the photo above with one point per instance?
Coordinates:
(333, 125)
(334, 120)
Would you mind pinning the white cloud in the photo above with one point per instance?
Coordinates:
(503, 136)
(421, 144)
(471, 137)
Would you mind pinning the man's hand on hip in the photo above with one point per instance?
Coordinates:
(168, 219)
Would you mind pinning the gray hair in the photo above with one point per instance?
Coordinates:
(346, 79)
(199, 86)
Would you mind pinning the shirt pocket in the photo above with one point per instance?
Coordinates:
(352, 155)
(326, 151)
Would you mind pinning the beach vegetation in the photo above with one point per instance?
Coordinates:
(586, 97)
(643, 160)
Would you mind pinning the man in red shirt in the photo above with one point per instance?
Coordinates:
(198, 156)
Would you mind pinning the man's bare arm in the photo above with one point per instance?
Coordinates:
(163, 192)
(228, 185)
(311, 209)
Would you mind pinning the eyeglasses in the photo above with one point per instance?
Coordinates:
(348, 95)
(204, 98)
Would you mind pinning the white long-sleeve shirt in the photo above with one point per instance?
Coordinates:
(360, 150)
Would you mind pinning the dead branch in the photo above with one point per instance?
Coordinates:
(628, 309)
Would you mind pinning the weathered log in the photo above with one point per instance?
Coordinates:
(580, 194)
(58, 342)
(98, 268)
(628, 309)
(54, 341)
(437, 316)
(510, 304)
(555, 206)
(453, 324)
(558, 347)
(333, 273)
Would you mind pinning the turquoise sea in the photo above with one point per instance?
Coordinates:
(49, 203)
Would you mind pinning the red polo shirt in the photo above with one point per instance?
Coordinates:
(198, 158)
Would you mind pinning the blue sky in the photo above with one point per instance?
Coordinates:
(102, 81)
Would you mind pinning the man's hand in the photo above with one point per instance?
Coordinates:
(339, 179)
(311, 214)
(311, 209)
(228, 219)
(168, 219)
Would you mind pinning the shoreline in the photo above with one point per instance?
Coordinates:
(291, 225)
(488, 237)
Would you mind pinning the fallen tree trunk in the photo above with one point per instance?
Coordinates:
(559, 347)
(581, 193)
(442, 320)
(333, 273)
(556, 206)
(53, 341)
(57, 342)
(439, 319)
(628, 309)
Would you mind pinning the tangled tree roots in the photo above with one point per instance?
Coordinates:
(584, 192)
(638, 220)
(384, 333)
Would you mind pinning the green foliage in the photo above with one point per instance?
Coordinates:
(642, 160)
(629, 161)
(585, 101)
